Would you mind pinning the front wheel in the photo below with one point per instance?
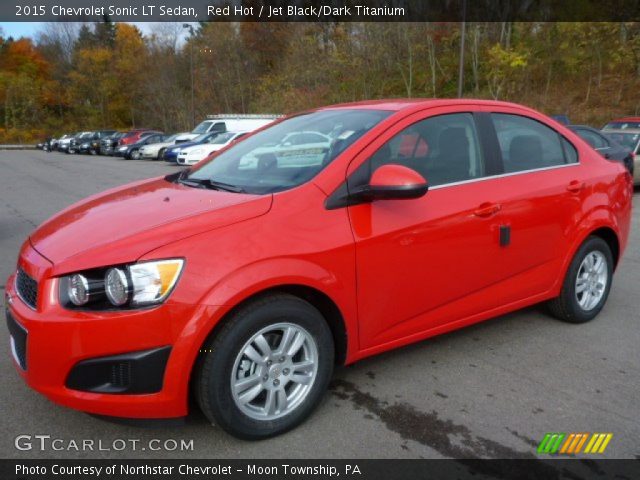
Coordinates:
(587, 284)
(135, 154)
(267, 369)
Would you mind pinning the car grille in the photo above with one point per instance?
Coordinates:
(18, 340)
(27, 288)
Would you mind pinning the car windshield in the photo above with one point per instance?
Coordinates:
(203, 127)
(221, 138)
(202, 138)
(629, 140)
(171, 139)
(622, 125)
(267, 163)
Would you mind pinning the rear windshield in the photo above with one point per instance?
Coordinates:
(628, 140)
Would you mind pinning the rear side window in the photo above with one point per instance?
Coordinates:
(526, 144)
(443, 149)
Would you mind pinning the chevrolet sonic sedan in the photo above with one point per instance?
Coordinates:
(245, 280)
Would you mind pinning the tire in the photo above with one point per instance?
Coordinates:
(572, 306)
(160, 154)
(222, 362)
(135, 154)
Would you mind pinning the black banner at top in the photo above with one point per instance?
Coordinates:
(319, 10)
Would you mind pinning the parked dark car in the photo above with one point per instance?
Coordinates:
(630, 138)
(64, 142)
(132, 151)
(77, 140)
(171, 153)
(92, 145)
(608, 148)
(45, 144)
(108, 144)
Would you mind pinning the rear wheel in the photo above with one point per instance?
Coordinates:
(587, 284)
(267, 369)
(160, 154)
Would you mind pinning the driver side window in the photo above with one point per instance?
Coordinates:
(443, 149)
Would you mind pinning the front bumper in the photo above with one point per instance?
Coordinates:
(57, 342)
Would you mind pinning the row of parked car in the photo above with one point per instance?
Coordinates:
(617, 140)
(184, 148)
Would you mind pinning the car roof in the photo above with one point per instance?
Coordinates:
(398, 104)
(625, 119)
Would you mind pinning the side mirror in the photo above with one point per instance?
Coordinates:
(393, 182)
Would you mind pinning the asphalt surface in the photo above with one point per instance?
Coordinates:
(491, 390)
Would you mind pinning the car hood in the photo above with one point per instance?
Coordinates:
(205, 146)
(123, 224)
(182, 145)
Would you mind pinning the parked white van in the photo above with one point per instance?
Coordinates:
(229, 123)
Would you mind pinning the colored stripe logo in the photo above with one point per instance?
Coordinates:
(572, 443)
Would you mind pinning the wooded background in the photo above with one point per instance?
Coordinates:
(74, 76)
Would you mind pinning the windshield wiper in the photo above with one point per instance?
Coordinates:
(208, 183)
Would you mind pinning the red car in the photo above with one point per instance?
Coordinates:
(623, 123)
(135, 135)
(252, 275)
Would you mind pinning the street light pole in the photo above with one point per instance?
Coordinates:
(463, 35)
(193, 104)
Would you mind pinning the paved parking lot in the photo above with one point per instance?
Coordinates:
(492, 390)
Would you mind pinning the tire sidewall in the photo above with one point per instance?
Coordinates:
(222, 360)
(590, 245)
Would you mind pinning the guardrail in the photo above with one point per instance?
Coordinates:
(17, 147)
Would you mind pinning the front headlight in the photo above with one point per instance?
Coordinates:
(153, 281)
(128, 286)
(78, 289)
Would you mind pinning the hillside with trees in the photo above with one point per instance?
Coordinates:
(83, 76)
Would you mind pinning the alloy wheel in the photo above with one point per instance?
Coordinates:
(274, 371)
(591, 281)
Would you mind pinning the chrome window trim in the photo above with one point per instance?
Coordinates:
(502, 175)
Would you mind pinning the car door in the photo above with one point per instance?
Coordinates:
(429, 261)
(541, 193)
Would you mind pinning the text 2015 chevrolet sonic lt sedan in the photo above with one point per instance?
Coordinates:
(247, 278)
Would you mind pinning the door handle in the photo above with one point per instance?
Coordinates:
(487, 209)
(575, 186)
